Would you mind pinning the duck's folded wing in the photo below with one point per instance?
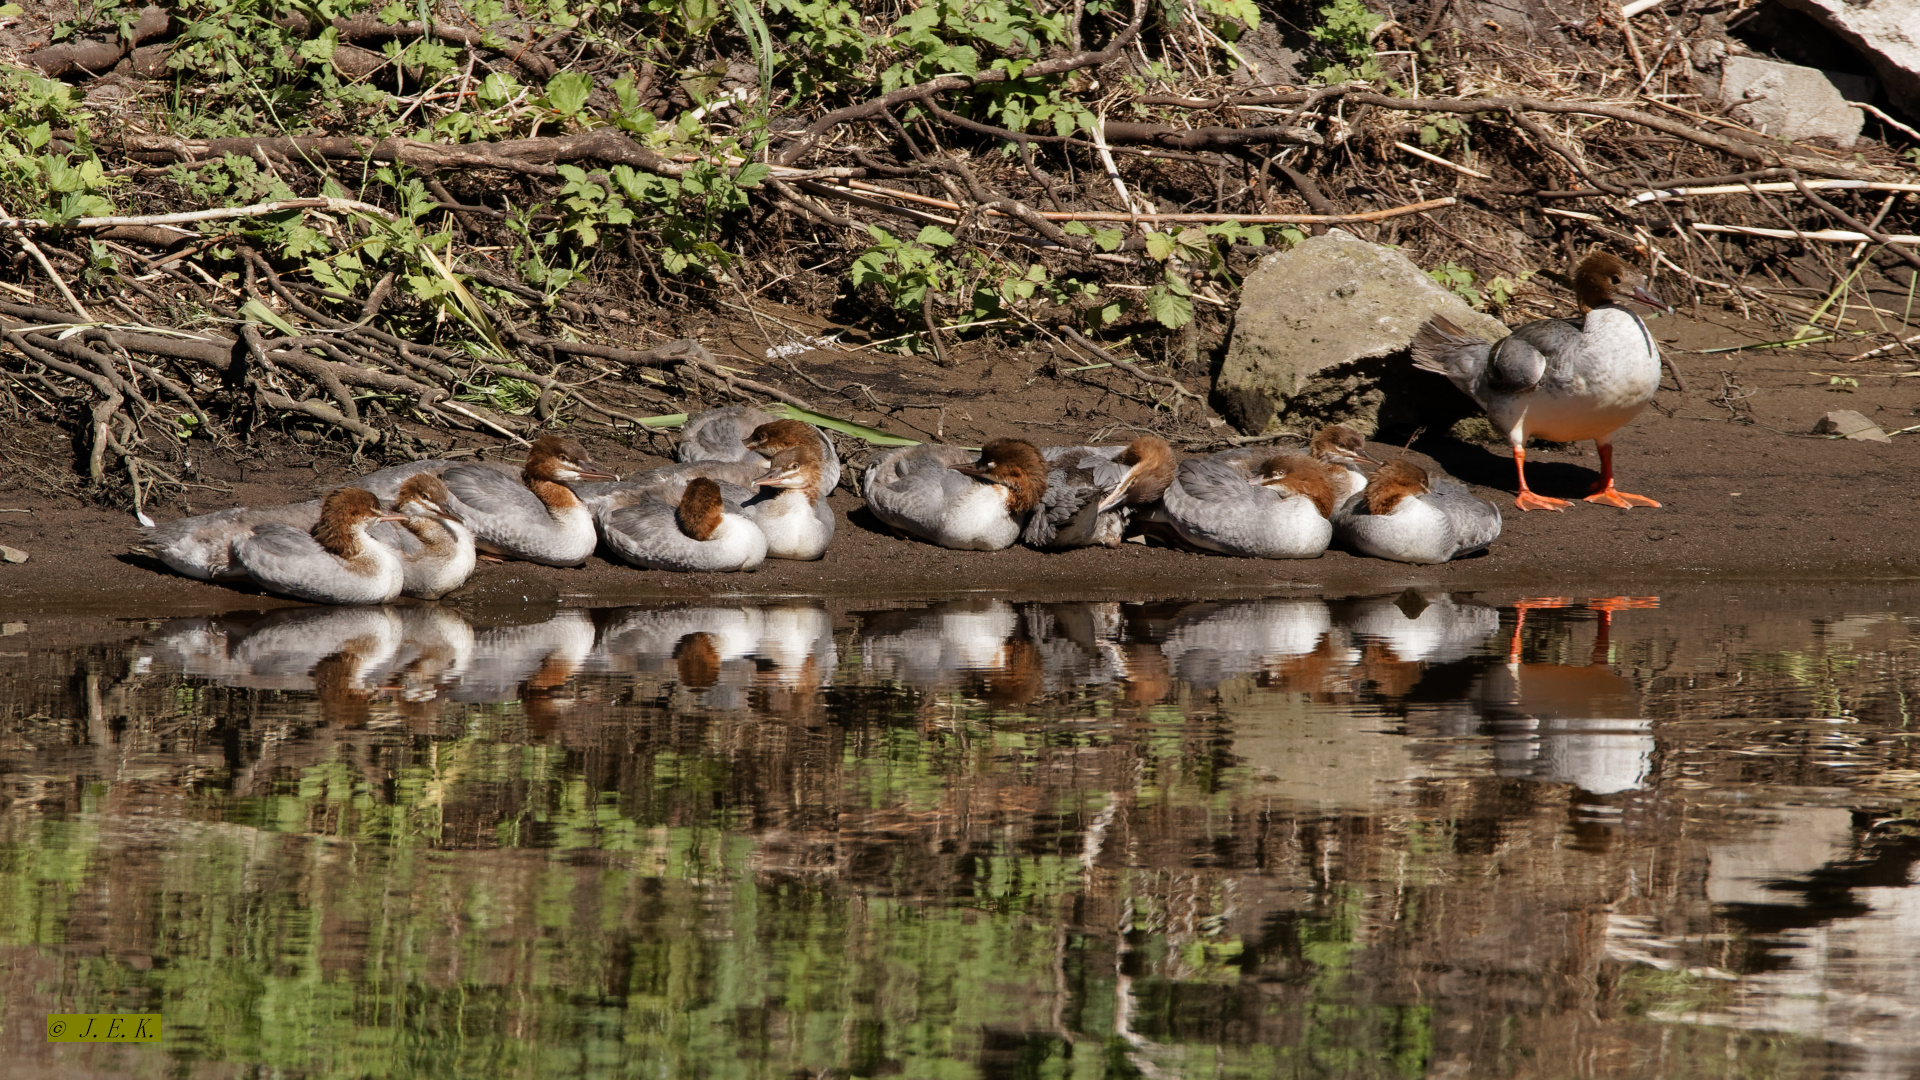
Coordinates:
(276, 552)
(1519, 361)
(720, 435)
(490, 493)
(1212, 480)
(398, 537)
(1475, 521)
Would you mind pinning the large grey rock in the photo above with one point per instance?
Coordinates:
(1791, 102)
(1886, 32)
(1322, 335)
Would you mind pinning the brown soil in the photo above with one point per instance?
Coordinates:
(1749, 493)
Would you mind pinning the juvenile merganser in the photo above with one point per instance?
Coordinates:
(1235, 503)
(538, 518)
(202, 547)
(702, 532)
(945, 495)
(744, 433)
(436, 547)
(1560, 379)
(1094, 491)
(792, 509)
(1343, 448)
(334, 563)
(1409, 515)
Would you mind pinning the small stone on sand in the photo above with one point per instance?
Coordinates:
(1851, 425)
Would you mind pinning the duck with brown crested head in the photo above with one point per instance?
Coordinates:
(436, 547)
(335, 562)
(1409, 514)
(701, 531)
(1093, 492)
(1239, 503)
(537, 518)
(951, 497)
(744, 433)
(1563, 380)
(1344, 449)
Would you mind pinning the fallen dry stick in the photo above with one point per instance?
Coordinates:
(1830, 236)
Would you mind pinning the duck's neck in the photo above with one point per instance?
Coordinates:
(1616, 327)
(557, 497)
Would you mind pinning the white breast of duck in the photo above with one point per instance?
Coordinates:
(335, 563)
(794, 516)
(988, 516)
(437, 551)
(1602, 384)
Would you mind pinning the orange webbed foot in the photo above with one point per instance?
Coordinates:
(1527, 500)
(1612, 496)
(1622, 603)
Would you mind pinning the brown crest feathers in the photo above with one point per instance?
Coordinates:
(700, 509)
(425, 488)
(1599, 277)
(1154, 468)
(1305, 476)
(343, 509)
(1017, 464)
(778, 434)
(1336, 437)
(1395, 481)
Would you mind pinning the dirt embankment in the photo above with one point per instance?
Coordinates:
(1748, 493)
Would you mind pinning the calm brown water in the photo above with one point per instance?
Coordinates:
(1398, 836)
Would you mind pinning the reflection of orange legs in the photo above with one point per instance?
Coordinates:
(1606, 606)
(1606, 494)
(1527, 500)
(1520, 609)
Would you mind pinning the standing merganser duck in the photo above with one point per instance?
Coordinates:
(202, 547)
(1408, 515)
(792, 510)
(945, 495)
(702, 532)
(744, 433)
(1237, 504)
(436, 547)
(1344, 449)
(538, 519)
(1094, 491)
(1560, 379)
(335, 563)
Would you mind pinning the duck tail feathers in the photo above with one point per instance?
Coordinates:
(1438, 345)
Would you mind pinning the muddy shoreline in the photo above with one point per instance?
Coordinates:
(1749, 495)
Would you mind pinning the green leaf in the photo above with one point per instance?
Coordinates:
(1109, 239)
(934, 236)
(1172, 312)
(256, 311)
(567, 92)
(753, 174)
(664, 421)
(844, 427)
(1160, 245)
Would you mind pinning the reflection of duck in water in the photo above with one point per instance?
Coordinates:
(1569, 724)
(1211, 643)
(940, 645)
(283, 650)
(723, 653)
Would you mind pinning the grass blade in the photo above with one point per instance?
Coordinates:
(844, 427)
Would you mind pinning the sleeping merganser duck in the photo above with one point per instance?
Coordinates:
(1560, 379)
(335, 563)
(1408, 515)
(1236, 503)
(945, 495)
(435, 546)
(1344, 449)
(744, 433)
(538, 518)
(701, 532)
(202, 547)
(1094, 491)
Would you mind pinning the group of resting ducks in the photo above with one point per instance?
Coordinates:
(748, 487)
